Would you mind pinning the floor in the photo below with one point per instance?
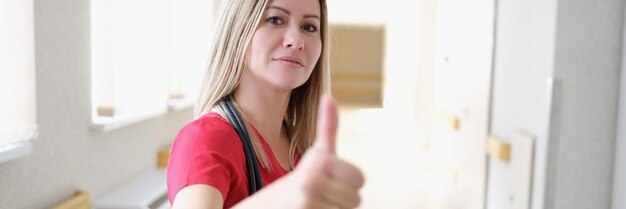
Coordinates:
(394, 160)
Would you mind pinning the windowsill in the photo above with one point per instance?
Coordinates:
(14, 151)
(106, 124)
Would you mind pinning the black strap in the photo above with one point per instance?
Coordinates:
(254, 175)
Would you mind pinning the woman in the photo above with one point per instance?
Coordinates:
(270, 58)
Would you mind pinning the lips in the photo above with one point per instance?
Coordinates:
(290, 60)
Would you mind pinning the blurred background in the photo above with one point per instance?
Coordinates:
(445, 104)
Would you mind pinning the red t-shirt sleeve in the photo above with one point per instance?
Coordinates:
(203, 153)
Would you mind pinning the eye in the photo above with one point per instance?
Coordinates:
(309, 28)
(274, 20)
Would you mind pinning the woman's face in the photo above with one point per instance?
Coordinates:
(286, 44)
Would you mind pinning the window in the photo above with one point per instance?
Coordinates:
(146, 54)
(191, 39)
(18, 121)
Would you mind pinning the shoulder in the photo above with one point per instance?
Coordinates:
(210, 130)
(206, 151)
(210, 122)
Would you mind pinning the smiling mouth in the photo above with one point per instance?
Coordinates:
(289, 61)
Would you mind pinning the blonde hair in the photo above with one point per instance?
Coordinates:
(235, 28)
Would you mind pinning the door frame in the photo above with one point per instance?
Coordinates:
(619, 169)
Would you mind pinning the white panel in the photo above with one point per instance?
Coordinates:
(522, 166)
(524, 50)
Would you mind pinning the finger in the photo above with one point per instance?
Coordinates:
(347, 172)
(327, 125)
(323, 204)
(342, 195)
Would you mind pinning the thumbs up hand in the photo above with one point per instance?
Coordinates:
(321, 179)
(328, 181)
(327, 126)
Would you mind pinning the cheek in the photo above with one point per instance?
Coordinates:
(255, 56)
(258, 46)
(316, 51)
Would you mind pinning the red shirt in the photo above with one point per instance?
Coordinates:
(209, 151)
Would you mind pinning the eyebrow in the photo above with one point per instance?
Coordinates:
(289, 13)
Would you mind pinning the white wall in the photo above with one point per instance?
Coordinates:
(462, 73)
(587, 61)
(68, 155)
(578, 42)
(401, 20)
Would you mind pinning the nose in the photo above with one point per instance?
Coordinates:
(293, 39)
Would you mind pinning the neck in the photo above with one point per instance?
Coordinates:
(265, 107)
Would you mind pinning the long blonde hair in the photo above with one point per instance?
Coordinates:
(235, 28)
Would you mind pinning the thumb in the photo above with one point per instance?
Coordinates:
(327, 125)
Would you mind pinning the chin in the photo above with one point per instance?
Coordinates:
(288, 86)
